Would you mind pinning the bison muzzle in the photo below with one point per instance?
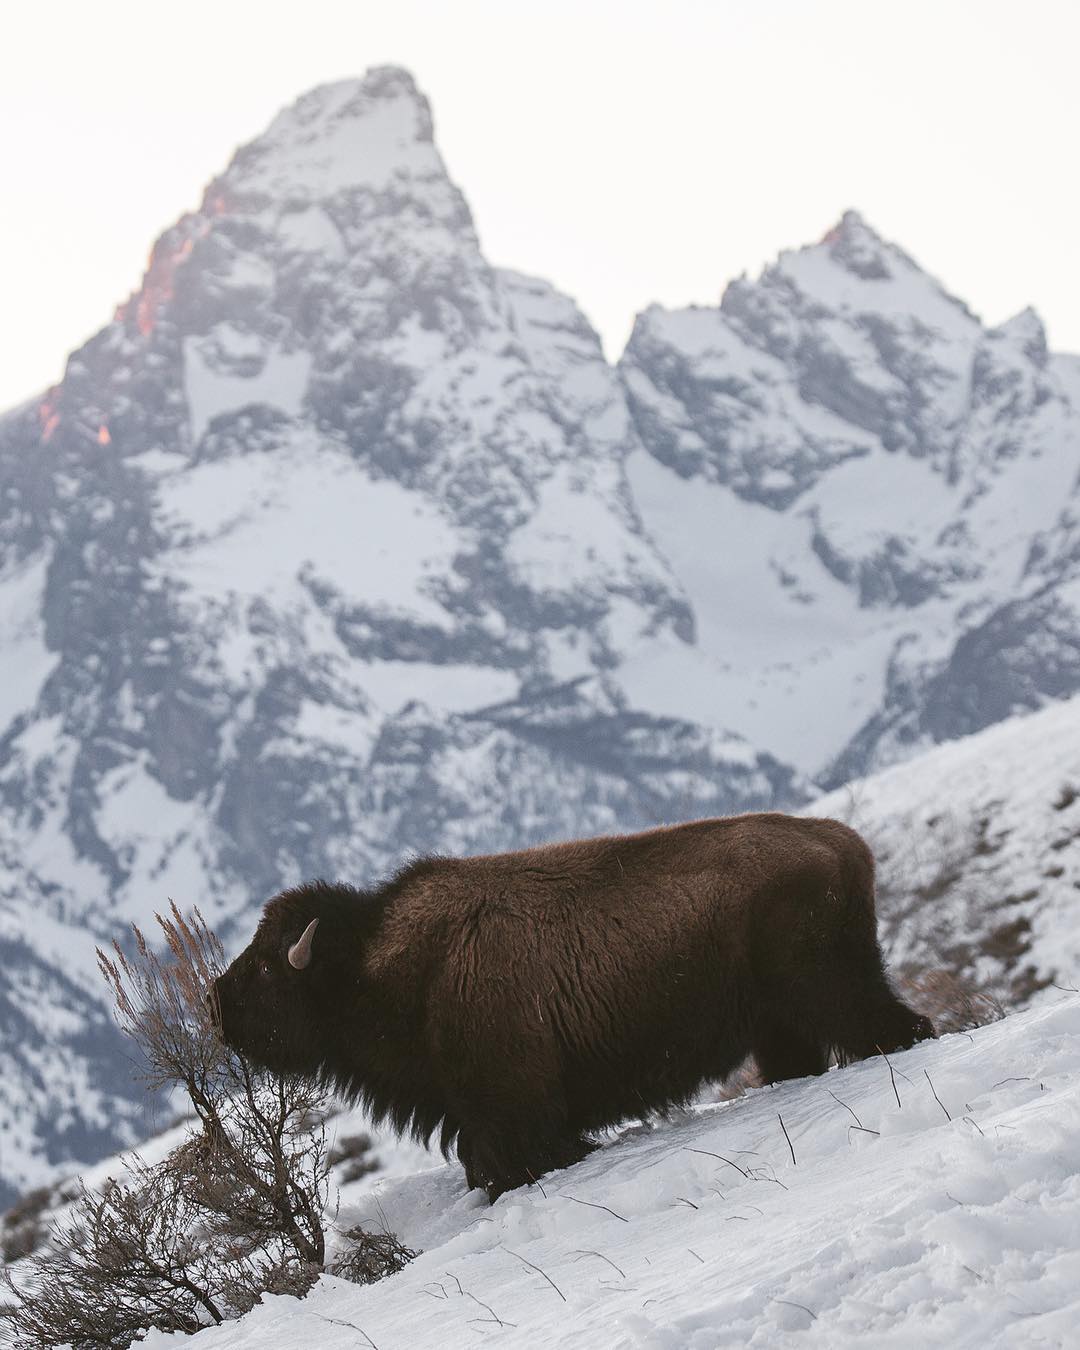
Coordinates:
(518, 1002)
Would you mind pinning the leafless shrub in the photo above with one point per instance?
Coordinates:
(236, 1211)
(128, 1258)
(255, 1152)
(24, 1228)
(371, 1256)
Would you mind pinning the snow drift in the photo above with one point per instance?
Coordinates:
(932, 1201)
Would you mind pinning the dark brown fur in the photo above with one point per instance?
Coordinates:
(518, 1002)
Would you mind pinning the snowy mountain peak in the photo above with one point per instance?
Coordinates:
(852, 222)
(854, 270)
(855, 243)
(1027, 332)
(358, 133)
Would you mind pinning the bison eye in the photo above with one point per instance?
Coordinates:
(265, 969)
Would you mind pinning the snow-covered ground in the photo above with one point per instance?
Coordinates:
(944, 1214)
(894, 1226)
(339, 544)
(978, 851)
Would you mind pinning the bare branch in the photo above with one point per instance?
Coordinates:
(538, 1271)
(707, 1154)
(622, 1218)
(787, 1136)
(600, 1255)
(847, 1108)
(802, 1306)
(892, 1077)
(936, 1097)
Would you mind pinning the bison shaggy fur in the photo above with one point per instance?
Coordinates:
(519, 1002)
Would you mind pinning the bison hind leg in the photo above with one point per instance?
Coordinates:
(783, 1052)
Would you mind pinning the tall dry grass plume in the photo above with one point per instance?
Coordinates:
(237, 1210)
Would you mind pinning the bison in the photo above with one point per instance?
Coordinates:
(519, 1002)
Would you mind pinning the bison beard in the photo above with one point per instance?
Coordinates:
(515, 1003)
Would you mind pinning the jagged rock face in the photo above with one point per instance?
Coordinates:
(868, 488)
(322, 553)
(338, 544)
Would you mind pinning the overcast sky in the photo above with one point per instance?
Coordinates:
(631, 152)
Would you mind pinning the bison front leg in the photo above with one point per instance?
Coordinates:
(502, 1080)
(466, 1156)
(784, 1051)
(501, 1156)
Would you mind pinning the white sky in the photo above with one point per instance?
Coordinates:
(630, 152)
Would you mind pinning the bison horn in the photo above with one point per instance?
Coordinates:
(300, 951)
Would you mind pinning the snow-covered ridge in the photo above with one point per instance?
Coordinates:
(339, 544)
(978, 851)
(871, 489)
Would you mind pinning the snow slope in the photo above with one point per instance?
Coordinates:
(933, 1231)
(978, 851)
(949, 1219)
(338, 544)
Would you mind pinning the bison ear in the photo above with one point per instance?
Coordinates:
(300, 951)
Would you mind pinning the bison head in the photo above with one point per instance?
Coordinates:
(265, 1004)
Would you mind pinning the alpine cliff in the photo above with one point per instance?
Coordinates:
(321, 554)
(871, 500)
(338, 544)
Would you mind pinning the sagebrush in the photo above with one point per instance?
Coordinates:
(236, 1211)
